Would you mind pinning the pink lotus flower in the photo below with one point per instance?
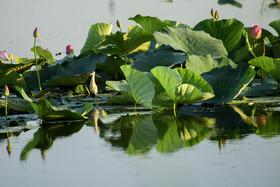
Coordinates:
(4, 56)
(69, 49)
(256, 32)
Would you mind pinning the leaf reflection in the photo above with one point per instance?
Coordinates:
(139, 134)
(45, 136)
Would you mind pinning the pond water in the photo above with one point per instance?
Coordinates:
(230, 146)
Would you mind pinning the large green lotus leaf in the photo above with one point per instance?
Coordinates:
(191, 42)
(111, 68)
(270, 65)
(231, 2)
(19, 68)
(47, 112)
(135, 40)
(169, 79)
(163, 57)
(202, 64)
(144, 135)
(276, 25)
(76, 71)
(258, 88)
(11, 78)
(191, 77)
(122, 87)
(140, 85)
(149, 24)
(230, 31)
(96, 35)
(161, 98)
(187, 93)
(228, 82)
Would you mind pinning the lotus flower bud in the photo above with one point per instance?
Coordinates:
(256, 32)
(93, 87)
(6, 90)
(4, 56)
(217, 15)
(119, 24)
(69, 49)
(36, 32)
(212, 12)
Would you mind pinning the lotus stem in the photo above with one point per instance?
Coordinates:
(6, 106)
(174, 108)
(134, 107)
(263, 54)
(249, 46)
(87, 89)
(39, 82)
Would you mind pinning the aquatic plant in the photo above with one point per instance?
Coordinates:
(35, 35)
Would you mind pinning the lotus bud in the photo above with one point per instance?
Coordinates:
(69, 49)
(256, 32)
(212, 12)
(4, 56)
(119, 24)
(93, 87)
(36, 32)
(6, 90)
(217, 15)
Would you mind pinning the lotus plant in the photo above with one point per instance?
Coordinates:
(256, 32)
(35, 35)
(212, 13)
(6, 93)
(217, 15)
(9, 146)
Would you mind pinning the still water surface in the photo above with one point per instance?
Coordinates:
(145, 150)
(229, 148)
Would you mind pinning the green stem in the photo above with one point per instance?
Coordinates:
(249, 46)
(134, 107)
(125, 58)
(6, 107)
(39, 82)
(181, 65)
(116, 76)
(174, 108)
(87, 89)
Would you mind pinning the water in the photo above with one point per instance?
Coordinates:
(145, 150)
(61, 23)
(148, 150)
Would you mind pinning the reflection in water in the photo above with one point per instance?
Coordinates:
(138, 134)
(44, 137)
(9, 146)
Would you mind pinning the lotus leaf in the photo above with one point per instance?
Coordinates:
(47, 112)
(202, 64)
(191, 42)
(11, 78)
(230, 31)
(96, 35)
(163, 57)
(183, 85)
(149, 24)
(135, 40)
(228, 82)
(231, 2)
(270, 65)
(45, 54)
(137, 87)
(276, 25)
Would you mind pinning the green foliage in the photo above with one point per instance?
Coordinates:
(135, 40)
(276, 25)
(270, 65)
(44, 54)
(182, 85)
(96, 35)
(230, 31)
(191, 42)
